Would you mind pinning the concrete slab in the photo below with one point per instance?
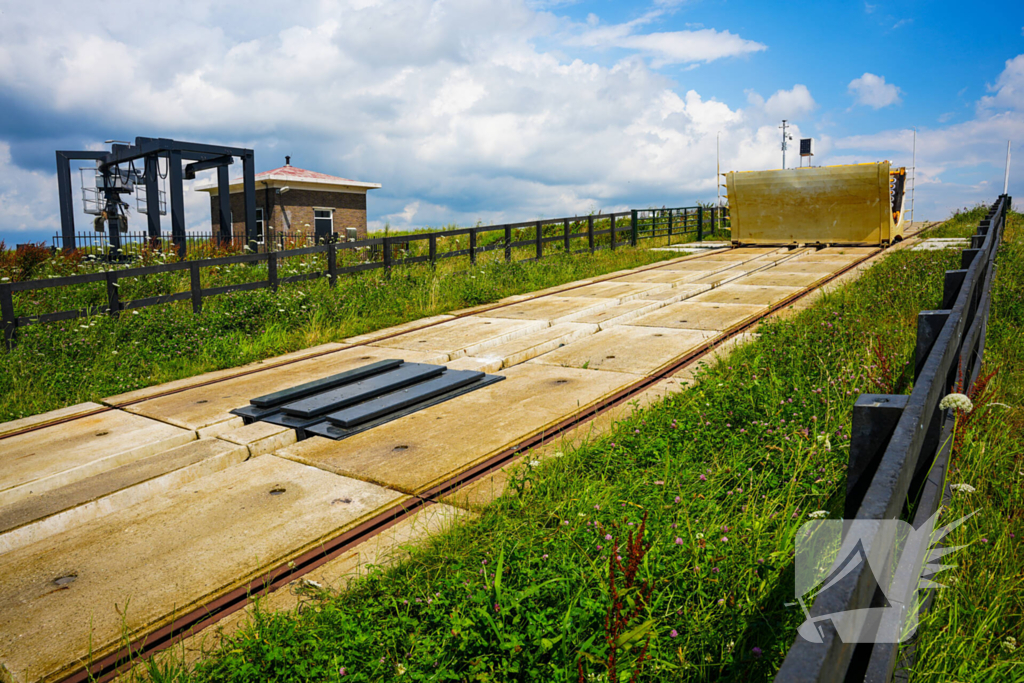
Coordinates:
(854, 251)
(165, 557)
(800, 265)
(817, 257)
(745, 294)
(428, 447)
(689, 315)
(553, 308)
(61, 454)
(385, 549)
(41, 516)
(208, 377)
(624, 348)
(620, 290)
(210, 405)
(36, 421)
(678, 293)
(261, 437)
(622, 312)
(661, 276)
(410, 326)
(703, 264)
(778, 277)
(453, 337)
(528, 346)
(488, 365)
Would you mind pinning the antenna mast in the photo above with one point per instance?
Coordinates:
(785, 138)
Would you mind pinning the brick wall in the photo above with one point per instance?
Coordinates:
(294, 209)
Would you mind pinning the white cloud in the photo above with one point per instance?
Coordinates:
(28, 199)
(448, 104)
(872, 91)
(787, 104)
(1009, 87)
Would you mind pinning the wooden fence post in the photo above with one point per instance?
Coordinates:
(113, 300)
(195, 286)
(613, 230)
(670, 226)
(472, 246)
(540, 243)
(7, 313)
(508, 244)
(387, 256)
(433, 250)
(565, 236)
(332, 264)
(590, 232)
(700, 223)
(633, 228)
(272, 269)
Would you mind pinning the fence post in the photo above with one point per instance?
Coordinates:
(472, 245)
(633, 228)
(565, 235)
(113, 300)
(433, 250)
(387, 256)
(700, 223)
(195, 286)
(508, 244)
(332, 263)
(272, 269)
(7, 313)
(612, 227)
(590, 233)
(929, 325)
(540, 243)
(951, 284)
(874, 421)
(670, 226)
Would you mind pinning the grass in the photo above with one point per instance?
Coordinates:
(961, 224)
(59, 364)
(700, 496)
(974, 631)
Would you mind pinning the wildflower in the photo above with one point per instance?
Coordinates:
(721, 601)
(675, 634)
(700, 535)
(1010, 644)
(756, 652)
(679, 541)
(984, 540)
(544, 556)
(725, 539)
(703, 478)
(659, 483)
(677, 499)
(962, 488)
(534, 463)
(607, 537)
(959, 402)
(342, 672)
(818, 514)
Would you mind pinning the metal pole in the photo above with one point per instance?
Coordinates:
(718, 174)
(784, 126)
(152, 170)
(177, 203)
(1006, 173)
(913, 184)
(67, 209)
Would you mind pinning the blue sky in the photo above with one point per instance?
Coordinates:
(495, 110)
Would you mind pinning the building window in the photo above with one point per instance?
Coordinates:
(259, 223)
(323, 223)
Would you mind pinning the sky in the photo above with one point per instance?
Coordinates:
(495, 111)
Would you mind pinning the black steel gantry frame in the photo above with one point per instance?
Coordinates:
(150, 150)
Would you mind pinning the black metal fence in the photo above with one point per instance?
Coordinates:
(899, 453)
(133, 244)
(537, 238)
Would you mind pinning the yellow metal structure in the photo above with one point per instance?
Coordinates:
(850, 204)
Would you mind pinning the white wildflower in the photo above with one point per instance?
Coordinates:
(818, 514)
(963, 488)
(699, 535)
(534, 463)
(1010, 644)
(581, 514)
(557, 455)
(957, 402)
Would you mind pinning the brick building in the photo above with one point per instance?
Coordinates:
(294, 200)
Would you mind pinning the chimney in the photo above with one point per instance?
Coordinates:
(287, 161)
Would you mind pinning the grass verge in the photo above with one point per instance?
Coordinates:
(663, 549)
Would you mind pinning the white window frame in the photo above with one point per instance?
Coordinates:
(330, 214)
(260, 224)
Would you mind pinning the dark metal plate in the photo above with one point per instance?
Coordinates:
(355, 392)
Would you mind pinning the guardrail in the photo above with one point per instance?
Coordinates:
(541, 238)
(899, 451)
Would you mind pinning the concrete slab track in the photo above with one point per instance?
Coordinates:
(132, 513)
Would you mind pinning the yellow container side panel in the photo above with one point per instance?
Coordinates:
(832, 204)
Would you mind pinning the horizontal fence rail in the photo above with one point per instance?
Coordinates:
(539, 238)
(899, 451)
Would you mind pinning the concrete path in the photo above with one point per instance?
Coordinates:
(117, 518)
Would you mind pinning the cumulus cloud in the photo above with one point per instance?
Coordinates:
(872, 91)
(785, 104)
(459, 108)
(27, 198)
(1009, 87)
